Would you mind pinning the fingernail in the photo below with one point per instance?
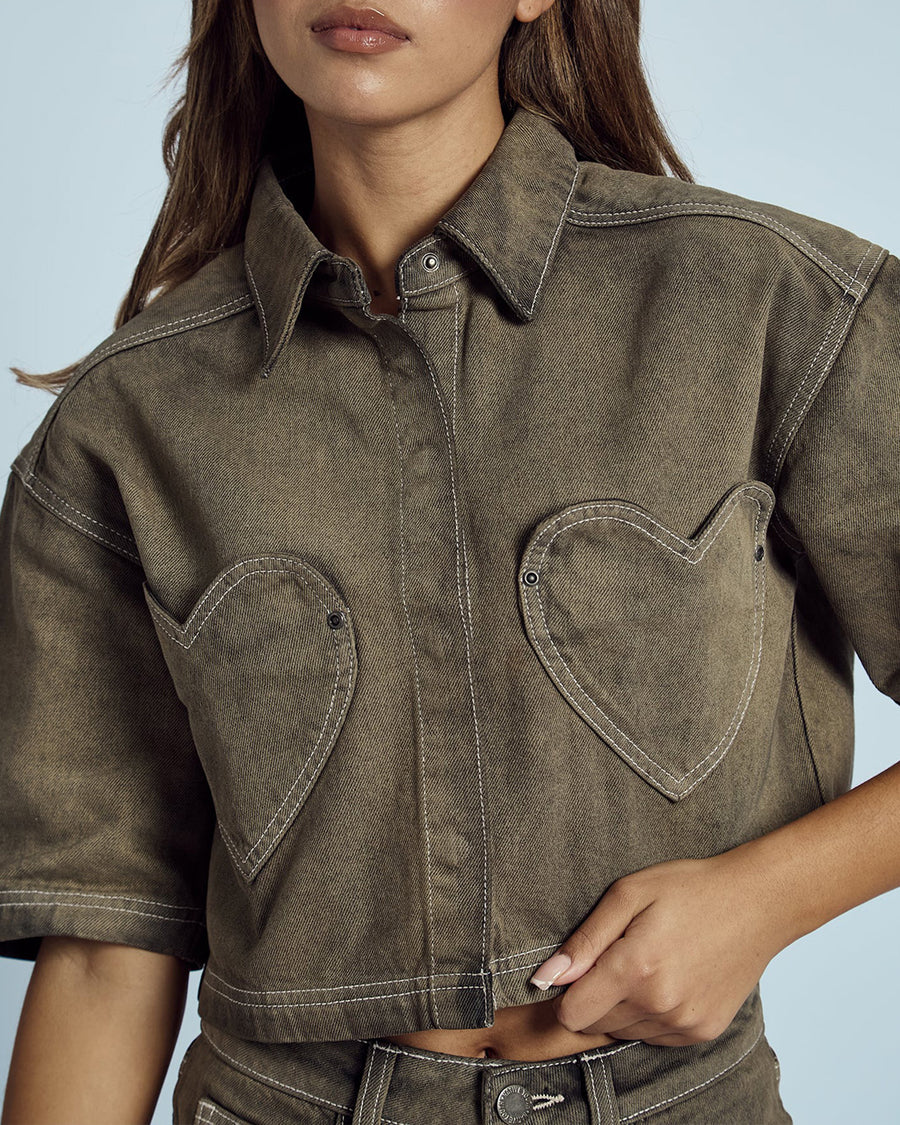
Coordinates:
(547, 973)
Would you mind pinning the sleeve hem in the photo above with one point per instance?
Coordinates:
(26, 916)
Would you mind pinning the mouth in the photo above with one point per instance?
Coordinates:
(360, 19)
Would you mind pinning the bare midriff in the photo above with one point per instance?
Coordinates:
(525, 1031)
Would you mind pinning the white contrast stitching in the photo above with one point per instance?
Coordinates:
(347, 999)
(208, 1113)
(544, 1101)
(435, 285)
(555, 239)
(72, 522)
(381, 1079)
(269, 1079)
(454, 373)
(590, 1073)
(412, 642)
(196, 320)
(103, 906)
(324, 989)
(499, 1065)
(262, 308)
(665, 210)
(486, 260)
(101, 894)
(529, 965)
(710, 534)
(296, 567)
(90, 519)
(607, 1086)
(467, 625)
(166, 619)
(699, 1086)
(818, 381)
(292, 312)
(525, 953)
(341, 987)
(736, 720)
(461, 562)
(362, 1093)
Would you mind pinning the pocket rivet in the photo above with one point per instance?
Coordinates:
(335, 619)
(530, 577)
(759, 552)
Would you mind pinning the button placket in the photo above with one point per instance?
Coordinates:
(447, 750)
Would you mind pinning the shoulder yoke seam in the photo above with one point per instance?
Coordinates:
(170, 328)
(846, 281)
(820, 367)
(112, 537)
(136, 339)
(89, 526)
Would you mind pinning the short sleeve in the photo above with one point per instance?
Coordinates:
(106, 814)
(839, 489)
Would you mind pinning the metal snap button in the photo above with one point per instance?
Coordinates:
(430, 262)
(759, 552)
(513, 1104)
(335, 619)
(530, 577)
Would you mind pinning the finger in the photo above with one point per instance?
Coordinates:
(622, 1019)
(639, 1029)
(648, 1030)
(606, 922)
(668, 1040)
(590, 999)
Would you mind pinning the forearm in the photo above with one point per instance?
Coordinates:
(833, 858)
(95, 1036)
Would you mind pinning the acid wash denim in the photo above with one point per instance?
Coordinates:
(352, 657)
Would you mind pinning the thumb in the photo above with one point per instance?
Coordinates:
(578, 953)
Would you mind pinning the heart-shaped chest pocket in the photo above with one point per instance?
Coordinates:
(654, 639)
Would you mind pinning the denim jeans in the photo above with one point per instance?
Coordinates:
(731, 1080)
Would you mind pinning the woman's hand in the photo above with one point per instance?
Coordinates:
(669, 954)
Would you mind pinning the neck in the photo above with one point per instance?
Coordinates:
(380, 187)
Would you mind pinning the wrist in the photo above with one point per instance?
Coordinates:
(781, 911)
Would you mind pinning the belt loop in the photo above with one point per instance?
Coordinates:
(373, 1085)
(601, 1096)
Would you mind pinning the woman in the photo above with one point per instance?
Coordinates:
(452, 647)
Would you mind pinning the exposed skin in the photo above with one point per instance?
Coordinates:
(669, 953)
(396, 137)
(108, 1017)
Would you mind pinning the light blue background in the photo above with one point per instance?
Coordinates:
(790, 102)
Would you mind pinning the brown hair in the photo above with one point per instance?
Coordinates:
(578, 63)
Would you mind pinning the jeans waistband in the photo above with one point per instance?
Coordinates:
(375, 1080)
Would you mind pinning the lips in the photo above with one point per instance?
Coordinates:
(366, 19)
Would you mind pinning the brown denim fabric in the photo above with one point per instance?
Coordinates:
(352, 657)
(732, 1080)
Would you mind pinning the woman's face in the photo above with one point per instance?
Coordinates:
(451, 49)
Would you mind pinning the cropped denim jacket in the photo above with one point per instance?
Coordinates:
(351, 657)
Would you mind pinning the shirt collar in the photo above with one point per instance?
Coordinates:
(508, 219)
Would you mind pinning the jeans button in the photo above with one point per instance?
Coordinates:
(514, 1104)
